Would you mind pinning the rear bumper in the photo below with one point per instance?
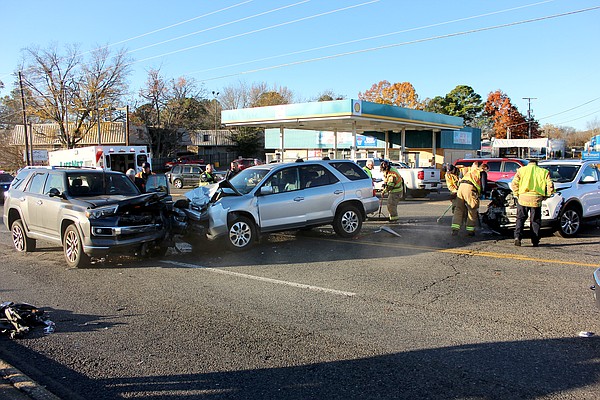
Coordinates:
(371, 204)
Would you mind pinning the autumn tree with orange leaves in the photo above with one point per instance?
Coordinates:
(505, 116)
(400, 94)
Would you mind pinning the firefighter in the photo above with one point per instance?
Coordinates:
(470, 188)
(531, 184)
(394, 186)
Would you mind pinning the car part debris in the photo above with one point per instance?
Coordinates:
(17, 319)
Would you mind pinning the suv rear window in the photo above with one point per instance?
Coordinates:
(350, 170)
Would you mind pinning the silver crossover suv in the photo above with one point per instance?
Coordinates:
(90, 213)
(284, 196)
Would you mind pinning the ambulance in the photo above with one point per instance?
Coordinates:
(112, 158)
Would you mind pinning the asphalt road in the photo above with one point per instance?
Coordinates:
(407, 313)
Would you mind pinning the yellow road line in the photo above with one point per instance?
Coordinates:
(474, 253)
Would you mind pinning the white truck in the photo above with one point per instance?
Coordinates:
(113, 158)
(418, 182)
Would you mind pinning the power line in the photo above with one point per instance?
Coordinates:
(257, 30)
(372, 37)
(371, 49)
(217, 26)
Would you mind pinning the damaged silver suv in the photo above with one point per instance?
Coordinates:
(89, 212)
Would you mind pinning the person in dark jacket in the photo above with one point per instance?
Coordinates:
(232, 171)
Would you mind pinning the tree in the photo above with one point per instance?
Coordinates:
(400, 94)
(507, 119)
(171, 108)
(247, 141)
(329, 95)
(67, 90)
(462, 101)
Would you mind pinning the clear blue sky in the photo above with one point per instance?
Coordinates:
(342, 45)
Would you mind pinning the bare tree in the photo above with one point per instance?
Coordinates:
(66, 90)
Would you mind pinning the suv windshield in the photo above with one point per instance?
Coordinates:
(96, 184)
(561, 173)
(247, 179)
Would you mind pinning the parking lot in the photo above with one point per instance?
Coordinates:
(401, 311)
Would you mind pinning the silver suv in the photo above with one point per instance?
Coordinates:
(284, 196)
(90, 213)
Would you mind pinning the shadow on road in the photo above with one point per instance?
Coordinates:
(509, 370)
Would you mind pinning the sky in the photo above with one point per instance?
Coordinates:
(543, 50)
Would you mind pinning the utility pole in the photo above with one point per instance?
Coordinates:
(529, 114)
(27, 159)
(215, 94)
(98, 118)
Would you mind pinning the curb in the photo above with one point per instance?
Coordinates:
(23, 384)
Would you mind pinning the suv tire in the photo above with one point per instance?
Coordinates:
(569, 222)
(20, 240)
(347, 222)
(242, 233)
(177, 183)
(73, 248)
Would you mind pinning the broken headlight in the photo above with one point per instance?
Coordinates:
(101, 212)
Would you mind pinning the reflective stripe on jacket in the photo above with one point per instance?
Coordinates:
(368, 171)
(452, 182)
(532, 184)
(393, 181)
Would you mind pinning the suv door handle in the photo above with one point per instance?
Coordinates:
(298, 198)
(39, 202)
(338, 192)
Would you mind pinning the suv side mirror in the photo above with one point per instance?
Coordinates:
(264, 190)
(157, 184)
(54, 192)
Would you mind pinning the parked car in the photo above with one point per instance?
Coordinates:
(185, 175)
(499, 168)
(183, 160)
(284, 196)
(418, 182)
(5, 180)
(89, 212)
(244, 163)
(576, 198)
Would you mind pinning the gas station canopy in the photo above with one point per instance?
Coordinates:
(340, 116)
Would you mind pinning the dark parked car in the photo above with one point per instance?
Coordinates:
(89, 212)
(5, 180)
(185, 175)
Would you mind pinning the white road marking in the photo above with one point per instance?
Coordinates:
(263, 279)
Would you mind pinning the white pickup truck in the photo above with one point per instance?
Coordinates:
(418, 182)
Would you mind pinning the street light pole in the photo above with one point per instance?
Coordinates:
(529, 114)
(215, 94)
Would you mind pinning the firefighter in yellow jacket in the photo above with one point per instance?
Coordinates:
(470, 188)
(531, 184)
(394, 185)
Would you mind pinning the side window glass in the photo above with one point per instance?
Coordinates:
(511, 166)
(494, 166)
(285, 180)
(55, 181)
(350, 170)
(589, 174)
(314, 176)
(196, 170)
(37, 183)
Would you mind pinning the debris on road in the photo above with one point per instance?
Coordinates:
(17, 319)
